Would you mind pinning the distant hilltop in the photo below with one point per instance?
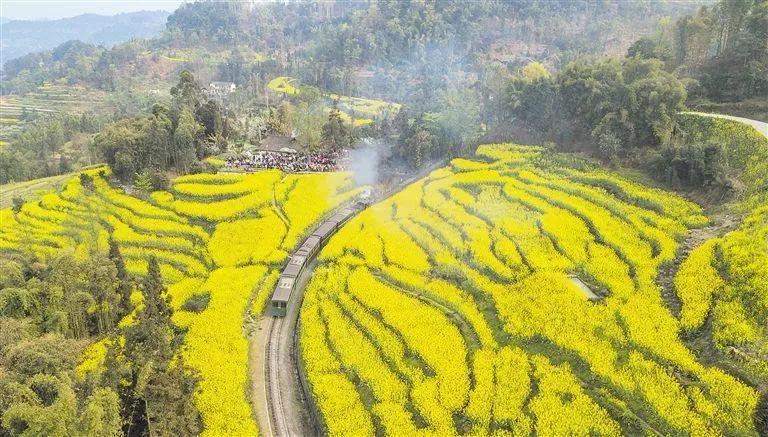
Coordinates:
(20, 37)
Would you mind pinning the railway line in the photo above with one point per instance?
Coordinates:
(278, 424)
(285, 403)
(288, 398)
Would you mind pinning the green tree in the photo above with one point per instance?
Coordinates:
(336, 135)
(308, 123)
(58, 417)
(419, 146)
(66, 291)
(103, 285)
(692, 39)
(186, 93)
(48, 354)
(18, 203)
(143, 182)
(416, 144)
(124, 287)
(280, 119)
(13, 166)
(532, 98)
(184, 139)
(632, 102)
(216, 128)
(162, 386)
(650, 48)
(11, 273)
(121, 144)
(169, 396)
(459, 123)
(86, 181)
(101, 416)
(160, 181)
(156, 138)
(149, 339)
(52, 409)
(740, 68)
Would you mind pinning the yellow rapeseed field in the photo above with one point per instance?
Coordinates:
(220, 235)
(451, 308)
(354, 110)
(727, 278)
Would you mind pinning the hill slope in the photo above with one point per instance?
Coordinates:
(479, 258)
(20, 37)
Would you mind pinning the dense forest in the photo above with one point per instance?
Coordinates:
(49, 313)
(490, 70)
(326, 44)
(627, 109)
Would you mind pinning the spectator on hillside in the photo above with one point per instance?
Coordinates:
(289, 162)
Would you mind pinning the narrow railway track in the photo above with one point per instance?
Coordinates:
(290, 410)
(278, 425)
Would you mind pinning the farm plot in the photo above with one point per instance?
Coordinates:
(44, 100)
(354, 110)
(726, 279)
(723, 283)
(218, 239)
(84, 218)
(30, 190)
(450, 308)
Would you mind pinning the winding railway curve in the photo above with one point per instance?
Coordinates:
(290, 408)
(288, 399)
(286, 394)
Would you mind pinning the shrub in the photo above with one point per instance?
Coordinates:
(197, 302)
(18, 202)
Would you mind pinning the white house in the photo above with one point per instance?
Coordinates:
(221, 88)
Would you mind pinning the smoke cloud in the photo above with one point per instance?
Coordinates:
(365, 160)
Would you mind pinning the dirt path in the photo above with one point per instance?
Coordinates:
(700, 342)
(721, 224)
(258, 390)
(278, 207)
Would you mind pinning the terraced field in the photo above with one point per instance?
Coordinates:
(355, 110)
(51, 98)
(724, 283)
(31, 190)
(213, 58)
(44, 100)
(451, 308)
(221, 236)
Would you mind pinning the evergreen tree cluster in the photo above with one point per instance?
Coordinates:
(50, 313)
(175, 137)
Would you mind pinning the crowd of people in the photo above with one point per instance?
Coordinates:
(288, 161)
